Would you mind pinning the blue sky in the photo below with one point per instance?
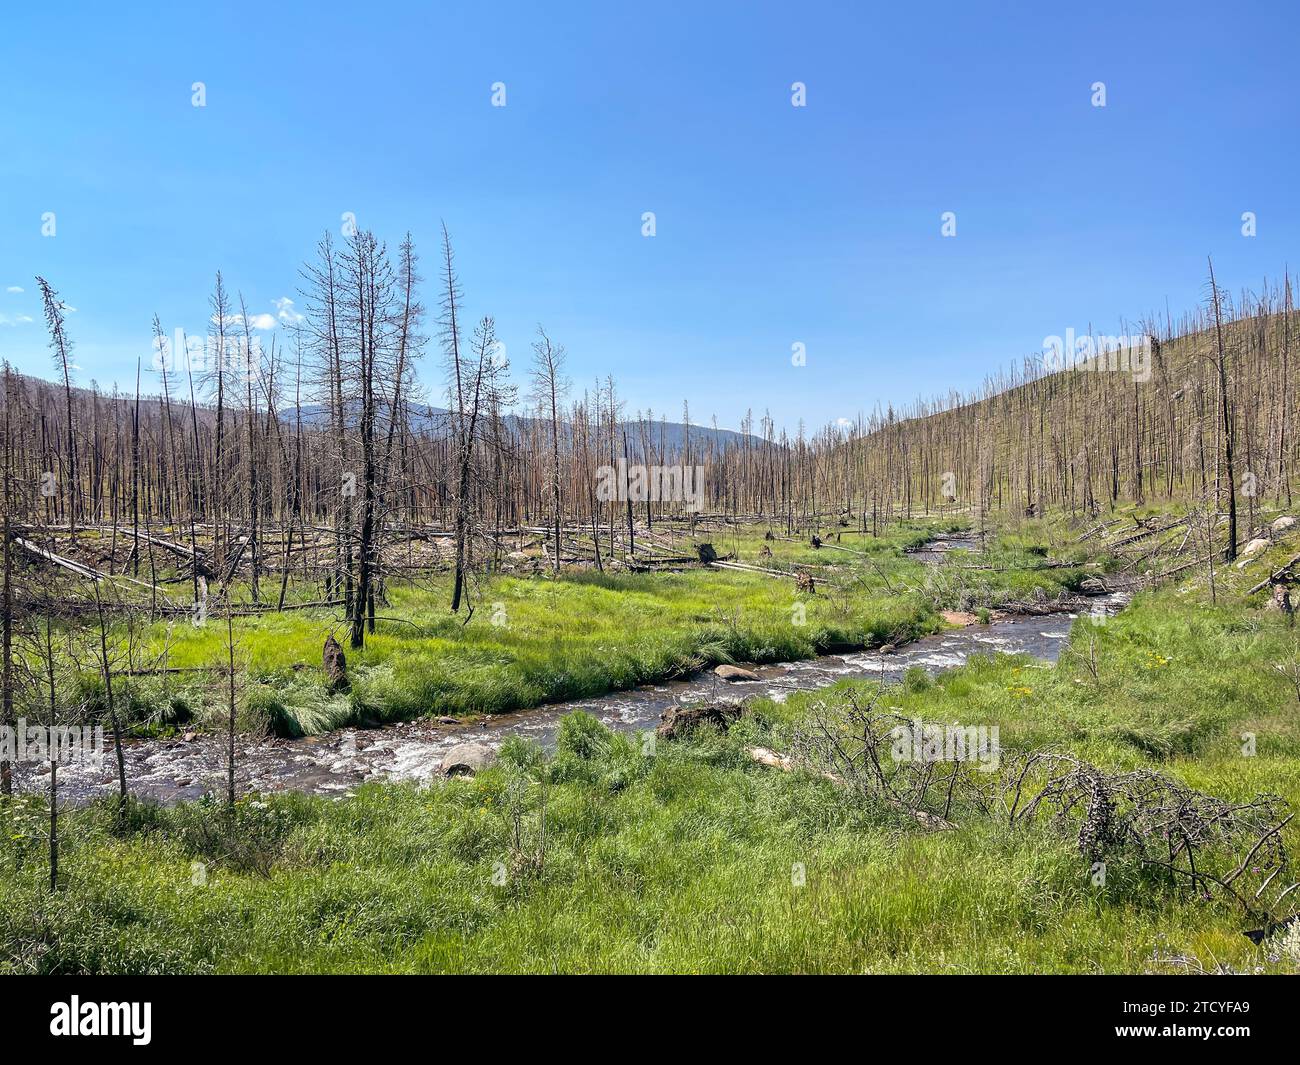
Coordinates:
(775, 224)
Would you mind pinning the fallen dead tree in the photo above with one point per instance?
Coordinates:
(1089, 534)
(1283, 573)
(59, 560)
(81, 570)
(1144, 532)
(1041, 608)
(721, 564)
(935, 773)
(769, 758)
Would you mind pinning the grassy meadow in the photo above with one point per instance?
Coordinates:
(687, 856)
(534, 639)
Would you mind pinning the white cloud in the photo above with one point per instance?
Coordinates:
(22, 319)
(16, 289)
(844, 423)
(255, 321)
(285, 312)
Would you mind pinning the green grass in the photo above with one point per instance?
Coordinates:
(681, 859)
(534, 639)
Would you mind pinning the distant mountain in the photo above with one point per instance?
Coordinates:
(663, 437)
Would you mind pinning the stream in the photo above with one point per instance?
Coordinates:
(335, 763)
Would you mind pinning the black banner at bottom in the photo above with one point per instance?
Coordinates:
(146, 1014)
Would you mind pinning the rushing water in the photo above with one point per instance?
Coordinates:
(935, 550)
(335, 763)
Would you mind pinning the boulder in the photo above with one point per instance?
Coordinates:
(336, 665)
(1257, 546)
(1282, 524)
(734, 673)
(679, 721)
(466, 759)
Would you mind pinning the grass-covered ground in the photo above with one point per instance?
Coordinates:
(534, 639)
(687, 856)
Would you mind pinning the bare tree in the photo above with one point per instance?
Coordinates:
(214, 378)
(107, 665)
(549, 385)
(62, 347)
(486, 390)
(1221, 363)
(7, 603)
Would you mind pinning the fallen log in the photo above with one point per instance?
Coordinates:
(1032, 608)
(846, 550)
(772, 760)
(752, 569)
(1096, 529)
(1146, 532)
(59, 560)
(166, 545)
(1276, 575)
